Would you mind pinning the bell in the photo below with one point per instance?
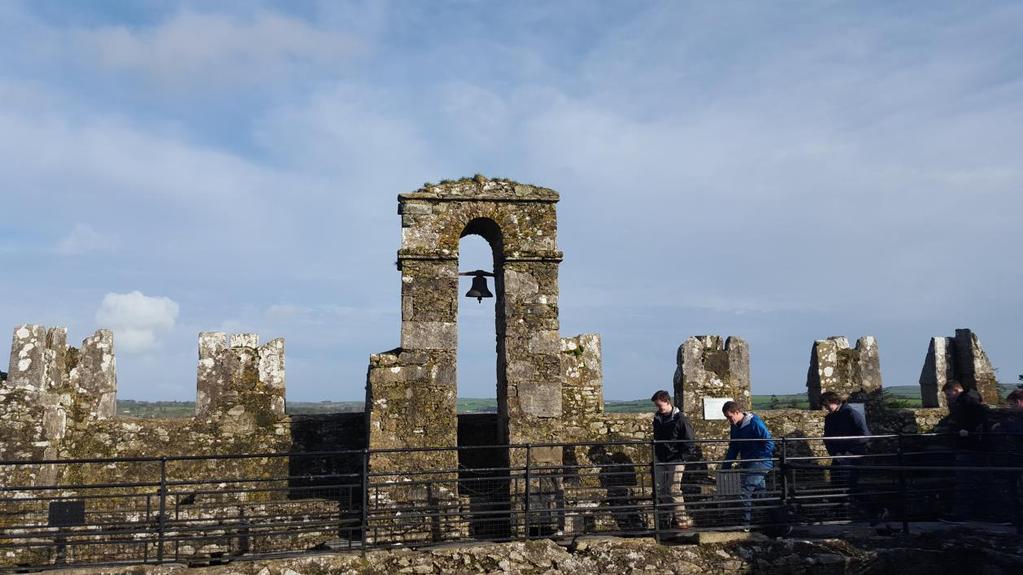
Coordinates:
(479, 288)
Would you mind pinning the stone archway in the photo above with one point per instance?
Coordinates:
(411, 391)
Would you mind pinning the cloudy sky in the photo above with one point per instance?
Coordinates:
(779, 171)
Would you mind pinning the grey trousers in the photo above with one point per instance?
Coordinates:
(669, 490)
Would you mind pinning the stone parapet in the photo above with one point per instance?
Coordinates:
(850, 372)
(960, 358)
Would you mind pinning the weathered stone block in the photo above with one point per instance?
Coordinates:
(540, 399)
(582, 379)
(243, 382)
(834, 366)
(429, 335)
(709, 366)
(94, 378)
(960, 358)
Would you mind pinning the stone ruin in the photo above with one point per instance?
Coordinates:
(959, 358)
(60, 402)
(852, 372)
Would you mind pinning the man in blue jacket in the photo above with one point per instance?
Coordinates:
(750, 440)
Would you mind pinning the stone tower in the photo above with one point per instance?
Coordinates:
(411, 391)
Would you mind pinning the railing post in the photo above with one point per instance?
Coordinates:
(653, 490)
(1017, 512)
(784, 469)
(904, 503)
(528, 475)
(161, 518)
(365, 498)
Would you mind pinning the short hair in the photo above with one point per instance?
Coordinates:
(830, 397)
(1016, 395)
(731, 407)
(952, 384)
(661, 395)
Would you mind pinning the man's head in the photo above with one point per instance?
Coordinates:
(831, 401)
(662, 400)
(733, 412)
(1015, 399)
(952, 390)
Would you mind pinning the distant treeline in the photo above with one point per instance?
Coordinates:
(897, 396)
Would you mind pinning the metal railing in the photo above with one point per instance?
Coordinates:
(210, 509)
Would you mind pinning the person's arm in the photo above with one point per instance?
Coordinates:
(760, 431)
(684, 431)
(733, 451)
(859, 424)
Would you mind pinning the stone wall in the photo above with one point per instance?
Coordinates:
(959, 358)
(850, 372)
(51, 388)
(60, 403)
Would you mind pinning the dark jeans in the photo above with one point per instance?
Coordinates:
(967, 497)
(845, 473)
(754, 483)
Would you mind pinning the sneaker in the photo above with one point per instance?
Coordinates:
(685, 523)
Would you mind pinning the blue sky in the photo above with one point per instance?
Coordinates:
(783, 172)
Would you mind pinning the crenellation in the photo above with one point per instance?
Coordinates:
(852, 372)
(710, 366)
(240, 380)
(960, 358)
(94, 377)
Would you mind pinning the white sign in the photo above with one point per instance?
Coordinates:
(712, 407)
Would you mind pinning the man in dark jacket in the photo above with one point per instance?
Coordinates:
(842, 421)
(849, 428)
(672, 435)
(967, 419)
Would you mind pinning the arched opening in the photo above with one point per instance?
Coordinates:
(482, 411)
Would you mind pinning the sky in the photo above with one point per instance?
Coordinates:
(782, 172)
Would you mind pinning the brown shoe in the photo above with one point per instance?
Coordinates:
(684, 523)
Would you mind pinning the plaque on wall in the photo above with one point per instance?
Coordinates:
(712, 407)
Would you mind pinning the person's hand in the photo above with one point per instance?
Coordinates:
(963, 433)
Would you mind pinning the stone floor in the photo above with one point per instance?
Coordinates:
(930, 549)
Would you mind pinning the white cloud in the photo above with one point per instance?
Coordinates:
(84, 239)
(194, 48)
(136, 319)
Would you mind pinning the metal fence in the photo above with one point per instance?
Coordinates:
(166, 510)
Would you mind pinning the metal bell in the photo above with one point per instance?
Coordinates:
(479, 289)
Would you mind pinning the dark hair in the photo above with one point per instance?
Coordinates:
(829, 397)
(952, 384)
(731, 407)
(1016, 395)
(661, 396)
